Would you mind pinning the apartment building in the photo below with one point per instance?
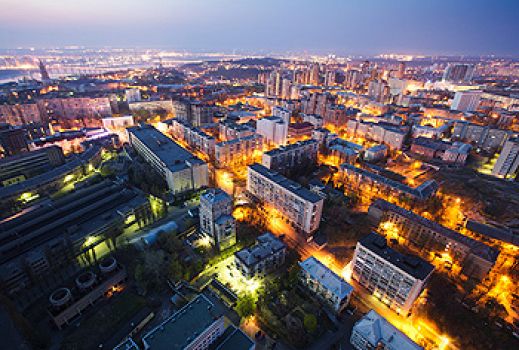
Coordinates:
(216, 220)
(298, 205)
(273, 129)
(193, 136)
(285, 158)
(395, 279)
(263, 257)
(229, 130)
(238, 151)
(327, 286)
(373, 331)
(508, 162)
(429, 238)
(182, 170)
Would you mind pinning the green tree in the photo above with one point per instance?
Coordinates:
(245, 306)
(310, 323)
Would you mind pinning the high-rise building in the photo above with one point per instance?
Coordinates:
(298, 205)
(458, 72)
(216, 220)
(273, 129)
(45, 78)
(466, 101)
(395, 279)
(314, 78)
(508, 161)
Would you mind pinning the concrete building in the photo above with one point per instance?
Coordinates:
(508, 161)
(301, 207)
(428, 238)
(458, 73)
(375, 153)
(216, 220)
(182, 170)
(118, 123)
(238, 151)
(193, 136)
(20, 114)
(483, 137)
(285, 158)
(44, 239)
(450, 153)
(263, 257)
(132, 95)
(386, 133)
(75, 107)
(196, 326)
(373, 331)
(395, 279)
(466, 101)
(273, 129)
(327, 286)
(282, 113)
(152, 106)
(358, 179)
(13, 141)
(314, 119)
(230, 130)
(18, 168)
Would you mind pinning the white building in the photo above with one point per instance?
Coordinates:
(466, 101)
(216, 220)
(508, 161)
(132, 95)
(395, 279)
(266, 255)
(282, 113)
(118, 123)
(375, 332)
(182, 170)
(330, 288)
(314, 119)
(273, 129)
(301, 207)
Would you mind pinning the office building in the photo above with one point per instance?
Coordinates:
(182, 170)
(458, 73)
(216, 220)
(290, 157)
(326, 285)
(238, 151)
(266, 255)
(395, 279)
(466, 101)
(301, 207)
(15, 169)
(431, 240)
(373, 331)
(273, 129)
(508, 161)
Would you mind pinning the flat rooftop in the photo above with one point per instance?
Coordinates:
(181, 328)
(233, 339)
(326, 277)
(290, 147)
(476, 247)
(174, 156)
(290, 185)
(410, 264)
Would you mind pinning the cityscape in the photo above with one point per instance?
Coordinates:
(240, 175)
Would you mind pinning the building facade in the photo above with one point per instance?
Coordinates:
(263, 257)
(216, 220)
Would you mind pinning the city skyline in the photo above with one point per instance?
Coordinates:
(356, 28)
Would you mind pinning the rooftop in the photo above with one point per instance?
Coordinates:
(291, 147)
(174, 156)
(476, 247)
(234, 339)
(290, 185)
(266, 245)
(326, 277)
(412, 265)
(181, 328)
(376, 329)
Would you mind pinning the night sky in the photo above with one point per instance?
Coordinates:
(313, 26)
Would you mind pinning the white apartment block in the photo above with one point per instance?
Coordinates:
(282, 113)
(273, 129)
(395, 279)
(466, 101)
(301, 207)
(508, 162)
(182, 170)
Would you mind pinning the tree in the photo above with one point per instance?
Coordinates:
(176, 270)
(310, 323)
(245, 306)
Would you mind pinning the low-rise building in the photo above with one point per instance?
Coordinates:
(182, 170)
(301, 207)
(266, 255)
(373, 331)
(446, 152)
(429, 239)
(375, 153)
(330, 288)
(395, 279)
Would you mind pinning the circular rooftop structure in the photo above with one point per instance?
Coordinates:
(60, 297)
